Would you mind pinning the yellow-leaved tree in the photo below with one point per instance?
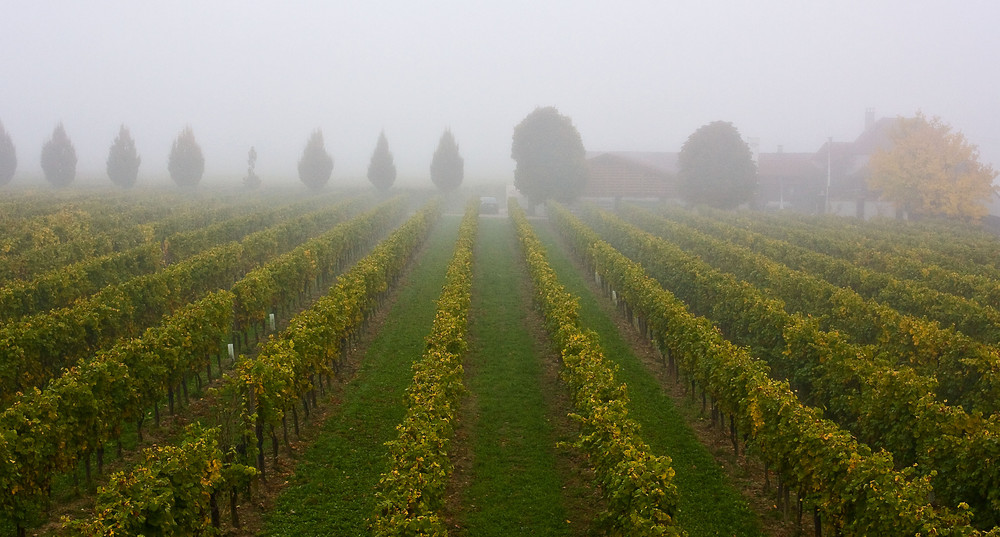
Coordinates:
(928, 170)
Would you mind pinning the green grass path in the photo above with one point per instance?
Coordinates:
(517, 481)
(331, 492)
(515, 486)
(708, 505)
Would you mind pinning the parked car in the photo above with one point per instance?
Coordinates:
(488, 205)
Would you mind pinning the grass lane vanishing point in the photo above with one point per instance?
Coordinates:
(707, 503)
(519, 482)
(332, 492)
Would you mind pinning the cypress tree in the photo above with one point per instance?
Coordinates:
(186, 163)
(447, 166)
(381, 169)
(59, 159)
(123, 161)
(8, 157)
(316, 164)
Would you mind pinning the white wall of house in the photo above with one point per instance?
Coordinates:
(871, 209)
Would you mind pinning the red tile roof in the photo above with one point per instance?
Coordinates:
(653, 174)
(630, 175)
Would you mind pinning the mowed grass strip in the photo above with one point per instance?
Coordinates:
(515, 483)
(708, 504)
(332, 491)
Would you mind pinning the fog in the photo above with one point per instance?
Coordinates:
(636, 76)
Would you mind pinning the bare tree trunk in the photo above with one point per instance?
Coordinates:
(259, 429)
(214, 505)
(232, 508)
(284, 430)
(274, 446)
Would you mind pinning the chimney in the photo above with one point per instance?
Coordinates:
(869, 118)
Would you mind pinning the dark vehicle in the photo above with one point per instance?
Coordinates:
(488, 205)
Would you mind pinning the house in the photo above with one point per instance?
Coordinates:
(785, 181)
(848, 171)
(630, 175)
(798, 181)
(789, 181)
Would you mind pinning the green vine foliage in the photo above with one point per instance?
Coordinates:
(857, 302)
(169, 493)
(865, 388)
(286, 368)
(858, 491)
(637, 485)
(410, 495)
(870, 266)
(35, 348)
(49, 431)
(81, 228)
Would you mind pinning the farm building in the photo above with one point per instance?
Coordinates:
(631, 175)
(786, 181)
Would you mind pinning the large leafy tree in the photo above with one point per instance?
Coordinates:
(59, 158)
(381, 169)
(715, 167)
(551, 160)
(316, 164)
(123, 160)
(928, 170)
(186, 163)
(447, 166)
(8, 157)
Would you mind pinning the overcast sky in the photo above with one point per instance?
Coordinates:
(632, 75)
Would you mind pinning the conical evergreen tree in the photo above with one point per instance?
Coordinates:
(8, 157)
(381, 169)
(123, 161)
(186, 163)
(59, 159)
(447, 166)
(316, 164)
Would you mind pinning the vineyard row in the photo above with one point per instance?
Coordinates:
(855, 490)
(48, 431)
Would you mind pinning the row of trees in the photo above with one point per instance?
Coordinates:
(186, 162)
(715, 166)
(925, 168)
(547, 147)
(447, 165)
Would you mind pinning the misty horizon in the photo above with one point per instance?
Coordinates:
(633, 76)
